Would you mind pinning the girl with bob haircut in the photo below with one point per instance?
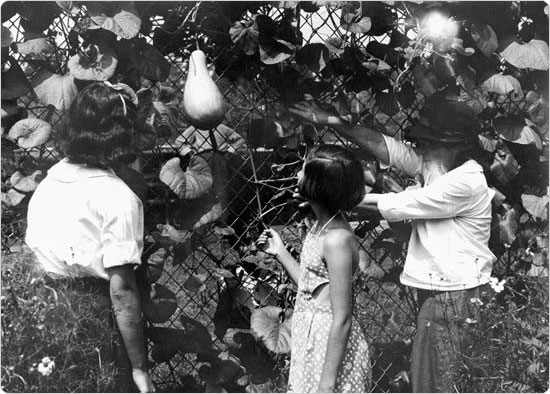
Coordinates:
(85, 225)
(329, 350)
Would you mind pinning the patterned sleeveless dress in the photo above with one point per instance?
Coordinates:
(311, 322)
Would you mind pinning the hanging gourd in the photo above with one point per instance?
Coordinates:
(202, 101)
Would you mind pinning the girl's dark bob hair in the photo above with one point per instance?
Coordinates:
(332, 177)
(100, 129)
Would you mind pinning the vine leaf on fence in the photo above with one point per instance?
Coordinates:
(119, 17)
(369, 266)
(155, 265)
(254, 358)
(533, 54)
(229, 314)
(274, 332)
(24, 183)
(12, 198)
(95, 62)
(199, 141)
(36, 46)
(30, 132)
(54, 89)
(352, 18)
(168, 235)
(505, 166)
(137, 56)
(191, 183)
(245, 35)
(484, 37)
(7, 37)
(14, 81)
(508, 224)
(536, 206)
(220, 372)
(195, 283)
(382, 16)
(315, 56)
(515, 129)
(158, 303)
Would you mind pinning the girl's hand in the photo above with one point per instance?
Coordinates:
(270, 242)
(311, 112)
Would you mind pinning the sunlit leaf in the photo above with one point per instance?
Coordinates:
(30, 132)
(36, 46)
(12, 197)
(536, 206)
(25, 183)
(191, 183)
(266, 324)
(533, 55)
(121, 18)
(514, 129)
(55, 89)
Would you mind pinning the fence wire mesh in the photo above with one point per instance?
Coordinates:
(215, 270)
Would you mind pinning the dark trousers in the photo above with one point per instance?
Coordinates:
(440, 338)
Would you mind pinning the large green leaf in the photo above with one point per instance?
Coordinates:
(121, 18)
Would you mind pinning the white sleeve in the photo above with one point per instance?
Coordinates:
(445, 198)
(402, 156)
(122, 233)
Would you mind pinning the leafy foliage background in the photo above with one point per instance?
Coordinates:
(372, 63)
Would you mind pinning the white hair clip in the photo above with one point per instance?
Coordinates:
(122, 87)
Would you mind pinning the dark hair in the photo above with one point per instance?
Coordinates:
(332, 177)
(100, 127)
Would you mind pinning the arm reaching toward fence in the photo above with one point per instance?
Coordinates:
(367, 138)
(270, 241)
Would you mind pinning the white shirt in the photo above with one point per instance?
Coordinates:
(82, 220)
(448, 248)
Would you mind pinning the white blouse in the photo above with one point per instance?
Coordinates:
(451, 214)
(83, 220)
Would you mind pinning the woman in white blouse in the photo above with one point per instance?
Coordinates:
(448, 259)
(84, 223)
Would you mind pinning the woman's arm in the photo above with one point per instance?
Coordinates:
(368, 207)
(338, 247)
(127, 308)
(365, 137)
(270, 241)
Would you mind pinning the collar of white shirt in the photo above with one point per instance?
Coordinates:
(68, 172)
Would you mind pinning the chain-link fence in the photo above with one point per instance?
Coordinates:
(217, 275)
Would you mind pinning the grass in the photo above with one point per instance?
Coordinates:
(40, 321)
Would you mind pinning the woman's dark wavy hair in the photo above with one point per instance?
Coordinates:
(333, 177)
(99, 132)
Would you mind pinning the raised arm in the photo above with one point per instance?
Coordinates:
(127, 308)
(338, 250)
(366, 138)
